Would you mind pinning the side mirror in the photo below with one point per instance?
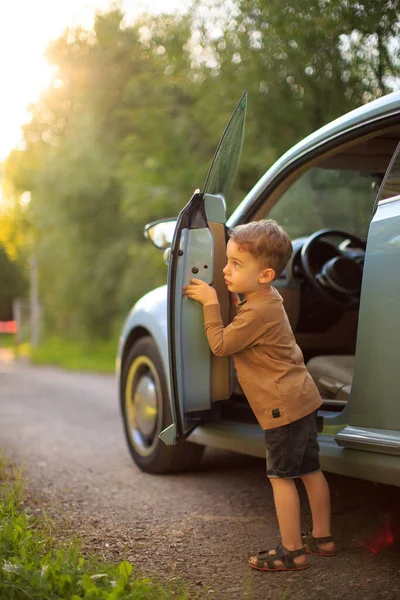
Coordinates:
(161, 233)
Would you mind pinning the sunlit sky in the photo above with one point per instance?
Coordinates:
(26, 27)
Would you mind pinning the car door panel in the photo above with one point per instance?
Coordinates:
(201, 378)
(194, 371)
(198, 378)
(374, 404)
(220, 365)
(189, 373)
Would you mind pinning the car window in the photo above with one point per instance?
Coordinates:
(391, 183)
(225, 163)
(327, 198)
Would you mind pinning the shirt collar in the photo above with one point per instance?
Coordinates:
(263, 292)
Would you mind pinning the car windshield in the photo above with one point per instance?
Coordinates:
(327, 198)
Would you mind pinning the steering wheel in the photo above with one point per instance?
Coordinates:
(339, 279)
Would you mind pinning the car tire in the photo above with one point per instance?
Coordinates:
(146, 411)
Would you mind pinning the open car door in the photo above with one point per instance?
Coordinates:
(198, 378)
(374, 410)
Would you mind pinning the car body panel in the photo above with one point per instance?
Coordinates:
(370, 439)
(374, 413)
(147, 317)
(376, 385)
(350, 439)
(249, 439)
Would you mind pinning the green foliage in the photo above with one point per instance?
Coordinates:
(33, 566)
(305, 62)
(128, 128)
(7, 340)
(84, 355)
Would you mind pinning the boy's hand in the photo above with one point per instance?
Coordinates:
(202, 292)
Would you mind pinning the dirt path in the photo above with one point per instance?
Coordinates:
(201, 527)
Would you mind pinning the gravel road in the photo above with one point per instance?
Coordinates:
(200, 527)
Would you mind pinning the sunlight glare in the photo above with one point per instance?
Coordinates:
(26, 28)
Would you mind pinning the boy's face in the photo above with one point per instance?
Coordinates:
(243, 273)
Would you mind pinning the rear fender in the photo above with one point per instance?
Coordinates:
(147, 317)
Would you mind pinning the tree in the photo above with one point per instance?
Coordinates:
(129, 126)
(102, 159)
(303, 62)
(12, 285)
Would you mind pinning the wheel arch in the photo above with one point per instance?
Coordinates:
(131, 337)
(134, 335)
(149, 453)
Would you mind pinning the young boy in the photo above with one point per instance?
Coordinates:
(278, 387)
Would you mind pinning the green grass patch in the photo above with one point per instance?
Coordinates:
(7, 340)
(97, 356)
(34, 566)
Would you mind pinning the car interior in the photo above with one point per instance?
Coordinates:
(326, 207)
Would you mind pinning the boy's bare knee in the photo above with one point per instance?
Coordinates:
(310, 476)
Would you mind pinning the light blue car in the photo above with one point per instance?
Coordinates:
(337, 194)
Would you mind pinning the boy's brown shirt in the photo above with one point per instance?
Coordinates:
(269, 364)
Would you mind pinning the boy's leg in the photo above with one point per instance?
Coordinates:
(287, 506)
(285, 449)
(320, 504)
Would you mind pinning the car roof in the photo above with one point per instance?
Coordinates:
(371, 111)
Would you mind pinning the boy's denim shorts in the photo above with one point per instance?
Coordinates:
(293, 449)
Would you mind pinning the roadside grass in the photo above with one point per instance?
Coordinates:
(7, 340)
(74, 355)
(34, 566)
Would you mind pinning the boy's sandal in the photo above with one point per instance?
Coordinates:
(312, 544)
(268, 562)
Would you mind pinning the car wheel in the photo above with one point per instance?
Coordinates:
(146, 411)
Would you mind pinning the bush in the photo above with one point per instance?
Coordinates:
(34, 566)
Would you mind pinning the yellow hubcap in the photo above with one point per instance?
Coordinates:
(142, 404)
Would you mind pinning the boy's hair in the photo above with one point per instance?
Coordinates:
(266, 241)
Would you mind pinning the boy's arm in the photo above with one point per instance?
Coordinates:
(244, 330)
